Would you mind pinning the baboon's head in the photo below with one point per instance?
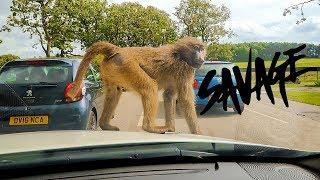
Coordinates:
(191, 50)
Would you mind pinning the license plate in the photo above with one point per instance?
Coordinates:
(28, 120)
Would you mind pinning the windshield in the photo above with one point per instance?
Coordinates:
(97, 73)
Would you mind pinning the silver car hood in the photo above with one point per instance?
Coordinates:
(48, 140)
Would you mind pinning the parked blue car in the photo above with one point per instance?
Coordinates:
(201, 73)
(32, 96)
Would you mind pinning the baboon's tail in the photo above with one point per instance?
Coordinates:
(102, 47)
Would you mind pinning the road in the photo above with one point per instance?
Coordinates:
(296, 127)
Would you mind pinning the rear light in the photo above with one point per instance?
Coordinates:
(195, 84)
(78, 97)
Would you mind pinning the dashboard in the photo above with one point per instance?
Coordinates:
(192, 171)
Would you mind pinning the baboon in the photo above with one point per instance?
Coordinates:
(146, 70)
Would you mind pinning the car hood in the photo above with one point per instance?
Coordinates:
(49, 140)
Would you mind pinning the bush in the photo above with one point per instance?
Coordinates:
(7, 58)
(317, 83)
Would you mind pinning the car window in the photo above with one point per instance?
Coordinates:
(34, 74)
(202, 71)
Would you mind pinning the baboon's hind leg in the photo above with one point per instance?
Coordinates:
(112, 96)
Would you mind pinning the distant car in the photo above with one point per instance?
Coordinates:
(32, 96)
(217, 79)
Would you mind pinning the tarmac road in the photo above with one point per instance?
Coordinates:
(296, 127)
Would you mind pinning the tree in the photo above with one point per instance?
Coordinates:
(88, 17)
(201, 18)
(63, 27)
(38, 18)
(7, 58)
(299, 7)
(223, 52)
(54, 22)
(131, 24)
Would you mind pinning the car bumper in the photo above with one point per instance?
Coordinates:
(61, 117)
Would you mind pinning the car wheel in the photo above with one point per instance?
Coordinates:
(92, 121)
(241, 109)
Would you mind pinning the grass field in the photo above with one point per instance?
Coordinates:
(304, 97)
(308, 79)
(306, 62)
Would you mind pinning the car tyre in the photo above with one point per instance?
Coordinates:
(92, 122)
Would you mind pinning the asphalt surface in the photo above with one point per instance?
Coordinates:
(295, 127)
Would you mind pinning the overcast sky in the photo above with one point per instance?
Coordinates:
(251, 20)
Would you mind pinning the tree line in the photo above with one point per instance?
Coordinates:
(60, 24)
(265, 50)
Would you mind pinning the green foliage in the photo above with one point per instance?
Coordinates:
(96, 62)
(220, 52)
(88, 18)
(7, 58)
(57, 23)
(131, 24)
(317, 83)
(44, 20)
(305, 62)
(126, 24)
(266, 50)
(201, 18)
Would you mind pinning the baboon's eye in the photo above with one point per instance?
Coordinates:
(196, 47)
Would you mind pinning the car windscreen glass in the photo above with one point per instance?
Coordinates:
(204, 69)
(33, 74)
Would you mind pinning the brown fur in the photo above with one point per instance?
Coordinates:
(146, 70)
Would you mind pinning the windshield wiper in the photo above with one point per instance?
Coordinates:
(200, 155)
(197, 154)
(94, 155)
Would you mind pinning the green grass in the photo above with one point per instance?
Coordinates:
(305, 62)
(308, 79)
(304, 97)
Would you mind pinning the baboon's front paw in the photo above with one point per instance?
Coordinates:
(198, 132)
(110, 128)
(158, 129)
(171, 129)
